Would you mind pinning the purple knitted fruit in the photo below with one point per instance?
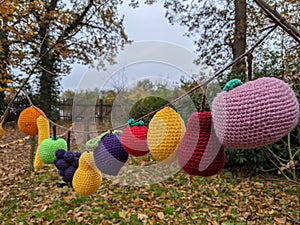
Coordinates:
(60, 153)
(255, 114)
(69, 157)
(200, 152)
(110, 156)
(61, 164)
(68, 174)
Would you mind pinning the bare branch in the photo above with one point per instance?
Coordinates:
(279, 19)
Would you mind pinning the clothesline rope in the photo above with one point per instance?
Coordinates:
(204, 84)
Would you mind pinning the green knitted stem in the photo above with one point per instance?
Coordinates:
(93, 143)
(232, 84)
(132, 123)
(31, 161)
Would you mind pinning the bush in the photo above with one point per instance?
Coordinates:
(145, 106)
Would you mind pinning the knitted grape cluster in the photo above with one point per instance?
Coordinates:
(66, 162)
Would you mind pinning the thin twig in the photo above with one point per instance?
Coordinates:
(178, 203)
(209, 80)
(33, 70)
(279, 19)
(185, 94)
(47, 71)
(290, 218)
(27, 96)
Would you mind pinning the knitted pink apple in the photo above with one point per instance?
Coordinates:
(255, 114)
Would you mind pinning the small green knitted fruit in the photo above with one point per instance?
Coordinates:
(93, 143)
(232, 84)
(48, 148)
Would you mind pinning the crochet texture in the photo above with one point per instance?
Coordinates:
(87, 178)
(43, 134)
(27, 120)
(200, 152)
(165, 131)
(255, 114)
(134, 140)
(110, 156)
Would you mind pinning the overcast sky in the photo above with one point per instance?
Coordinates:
(143, 23)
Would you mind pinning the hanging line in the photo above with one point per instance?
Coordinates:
(203, 101)
(249, 66)
(216, 75)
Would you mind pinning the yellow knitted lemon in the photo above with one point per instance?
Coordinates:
(43, 133)
(27, 120)
(87, 177)
(164, 134)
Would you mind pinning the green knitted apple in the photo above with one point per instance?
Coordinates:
(48, 148)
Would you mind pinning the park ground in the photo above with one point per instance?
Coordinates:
(232, 197)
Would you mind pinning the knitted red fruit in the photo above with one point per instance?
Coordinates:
(134, 138)
(200, 152)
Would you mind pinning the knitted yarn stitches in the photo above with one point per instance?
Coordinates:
(48, 148)
(43, 133)
(1, 131)
(134, 140)
(255, 114)
(87, 178)
(110, 156)
(27, 120)
(200, 152)
(165, 131)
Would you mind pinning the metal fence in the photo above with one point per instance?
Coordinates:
(101, 110)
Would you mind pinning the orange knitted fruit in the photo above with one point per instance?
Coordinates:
(27, 120)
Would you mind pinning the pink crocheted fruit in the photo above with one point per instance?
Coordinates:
(200, 152)
(255, 114)
(134, 138)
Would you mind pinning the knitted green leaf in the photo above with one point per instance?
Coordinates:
(232, 84)
(132, 123)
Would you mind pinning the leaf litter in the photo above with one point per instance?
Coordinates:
(228, 198)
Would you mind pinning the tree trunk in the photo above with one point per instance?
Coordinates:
(48, 85)
(239, 43)
(4, 63)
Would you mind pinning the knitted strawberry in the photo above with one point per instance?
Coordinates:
(254, 114)
(200, 153)
(134, 138)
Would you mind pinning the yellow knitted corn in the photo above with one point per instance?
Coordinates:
(164, 134)
(1, 130)
(87, 178)
(43, 133)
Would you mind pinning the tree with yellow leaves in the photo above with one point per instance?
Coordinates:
(59, 33)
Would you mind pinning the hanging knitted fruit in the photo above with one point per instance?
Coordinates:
(93, 143)
(49, 146)
(255, 114)
(27, 120)
(200, 152)
(164, 134)
(110, 156)
(87, 178)
(134, 138)
(67, 163)
(43, 133)
(1, 130)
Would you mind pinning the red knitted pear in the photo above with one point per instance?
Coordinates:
(134, 138)
(200, 153)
